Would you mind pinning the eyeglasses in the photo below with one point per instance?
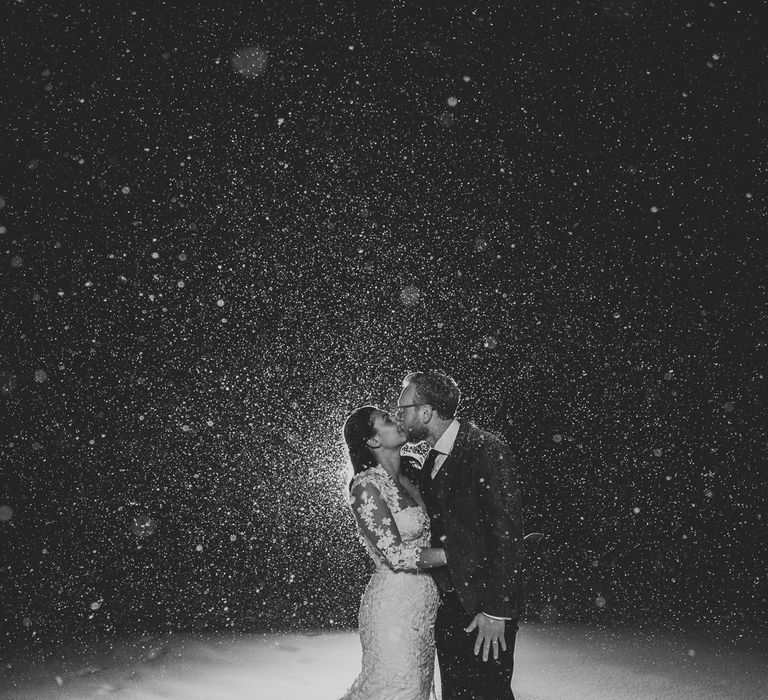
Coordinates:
(398, 411)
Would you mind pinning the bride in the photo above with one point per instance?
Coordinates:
(399, 606)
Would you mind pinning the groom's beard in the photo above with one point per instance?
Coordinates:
(417, 434)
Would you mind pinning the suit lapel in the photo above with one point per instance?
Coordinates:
(445, 478)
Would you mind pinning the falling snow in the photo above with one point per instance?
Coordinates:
(222, 231)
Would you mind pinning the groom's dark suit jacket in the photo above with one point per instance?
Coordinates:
(475, 499)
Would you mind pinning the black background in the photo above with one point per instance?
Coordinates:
(206, 266)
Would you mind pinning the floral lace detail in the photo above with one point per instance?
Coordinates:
(393, 534)
(399, 606)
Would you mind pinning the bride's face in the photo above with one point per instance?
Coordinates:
(388, 433)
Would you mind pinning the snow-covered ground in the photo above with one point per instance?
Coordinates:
(551, 661)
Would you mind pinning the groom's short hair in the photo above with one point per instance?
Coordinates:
(437, 389)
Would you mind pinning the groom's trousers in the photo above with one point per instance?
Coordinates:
(464, 676)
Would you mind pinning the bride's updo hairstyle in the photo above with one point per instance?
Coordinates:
(358, 428)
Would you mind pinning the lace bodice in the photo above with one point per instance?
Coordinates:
(393, 528)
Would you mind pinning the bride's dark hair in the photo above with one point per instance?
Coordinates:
(357, 429)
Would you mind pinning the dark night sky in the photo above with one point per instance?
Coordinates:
(224, 225)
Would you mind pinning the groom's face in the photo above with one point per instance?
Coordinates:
(409, 416)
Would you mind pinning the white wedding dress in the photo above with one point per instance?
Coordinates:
(399, 606)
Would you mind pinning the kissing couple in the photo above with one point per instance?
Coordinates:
(446, 538)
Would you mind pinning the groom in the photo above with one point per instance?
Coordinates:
(469, 485)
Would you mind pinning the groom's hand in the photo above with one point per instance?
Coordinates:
(490, 635)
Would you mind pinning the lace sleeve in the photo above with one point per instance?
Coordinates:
(376, 523)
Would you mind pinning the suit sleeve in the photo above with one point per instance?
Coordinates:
(501, 512)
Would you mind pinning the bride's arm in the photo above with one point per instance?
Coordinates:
(377, 524)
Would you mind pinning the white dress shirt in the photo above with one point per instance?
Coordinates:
(444, 445)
